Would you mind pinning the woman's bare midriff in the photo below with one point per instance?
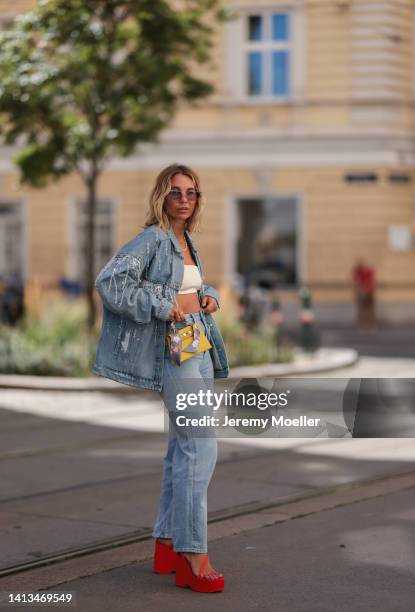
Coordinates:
(188, 302)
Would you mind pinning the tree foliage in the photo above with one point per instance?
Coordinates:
(84, 80)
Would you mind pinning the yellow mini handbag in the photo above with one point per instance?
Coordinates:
(185, 342)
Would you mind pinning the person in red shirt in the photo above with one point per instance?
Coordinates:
(364, 281)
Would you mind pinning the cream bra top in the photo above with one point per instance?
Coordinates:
(191, 279)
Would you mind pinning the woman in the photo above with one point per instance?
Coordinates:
(153, 280)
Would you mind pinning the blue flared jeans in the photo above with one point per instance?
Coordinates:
(191, 456)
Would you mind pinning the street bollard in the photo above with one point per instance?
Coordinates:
(276, 319)
(307, 318)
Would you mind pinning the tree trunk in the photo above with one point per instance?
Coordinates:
(90, 248)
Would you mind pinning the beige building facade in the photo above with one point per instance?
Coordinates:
(306, 154)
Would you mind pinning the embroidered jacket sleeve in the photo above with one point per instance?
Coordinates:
(118, 283)
(211, 292)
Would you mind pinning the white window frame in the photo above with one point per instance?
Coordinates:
(73, 271)
(21, 217)
(237, 45)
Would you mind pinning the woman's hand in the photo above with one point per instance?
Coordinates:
(209, 304)
(176, 314)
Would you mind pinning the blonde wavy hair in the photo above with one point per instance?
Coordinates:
(162, 186)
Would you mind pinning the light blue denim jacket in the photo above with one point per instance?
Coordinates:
(138, 287)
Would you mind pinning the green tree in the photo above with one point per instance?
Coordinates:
(84, 80)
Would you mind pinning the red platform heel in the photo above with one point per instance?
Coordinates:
(165, 558)
(203, 584)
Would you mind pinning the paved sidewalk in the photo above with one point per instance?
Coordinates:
(358, 556)
(373, 367)
(81, 468)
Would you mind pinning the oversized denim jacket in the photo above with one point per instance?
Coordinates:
(138, 287)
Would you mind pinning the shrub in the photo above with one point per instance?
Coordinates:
(245, 347)
(55, 343)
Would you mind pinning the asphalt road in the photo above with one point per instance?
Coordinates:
(354, 558)
(81, 468)
(383, 341)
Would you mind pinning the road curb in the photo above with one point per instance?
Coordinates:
(322, 360)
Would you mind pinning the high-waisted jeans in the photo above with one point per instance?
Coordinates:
(190, 459)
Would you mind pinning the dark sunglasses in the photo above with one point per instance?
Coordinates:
(192, 195)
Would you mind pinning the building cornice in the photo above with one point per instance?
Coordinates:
(269, 147)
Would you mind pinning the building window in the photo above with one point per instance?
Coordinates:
(104, 229)
(11, 240)
(267, 54)
(267, 242)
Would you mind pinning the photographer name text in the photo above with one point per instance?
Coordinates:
(264, 422)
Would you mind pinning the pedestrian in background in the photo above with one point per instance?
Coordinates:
(12, 303)
(364, 281)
